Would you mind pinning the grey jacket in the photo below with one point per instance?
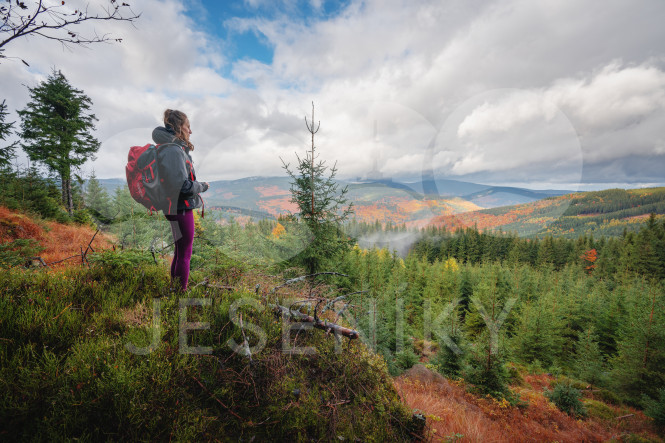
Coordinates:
(176, 173)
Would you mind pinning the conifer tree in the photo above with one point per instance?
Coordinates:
(450, 361)
(538, 334)
(639, 367)
(321, 206)
(97, 200)
(56, 130)
(6, 152)
(588, 362)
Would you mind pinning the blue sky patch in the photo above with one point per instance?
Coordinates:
(213, 15)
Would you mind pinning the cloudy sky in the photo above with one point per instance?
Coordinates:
(562, 94)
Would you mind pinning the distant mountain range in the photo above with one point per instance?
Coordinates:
(412, 203)
(450, 203)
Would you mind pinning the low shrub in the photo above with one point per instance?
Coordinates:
(567, 399)
(656, 408)
(598, 409)
(17, 252)
(608, 396)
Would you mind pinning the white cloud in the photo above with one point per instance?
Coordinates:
(591, 68)
(615, 97)
(517, 109)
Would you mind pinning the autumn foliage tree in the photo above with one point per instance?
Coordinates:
(589, 258)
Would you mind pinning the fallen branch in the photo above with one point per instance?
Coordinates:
(41, 261)
(625, 416)
(303, 277)
(90, 244)
(83, 255)
(317, 323)
(332, 302)
(207, 284)
(64, 259)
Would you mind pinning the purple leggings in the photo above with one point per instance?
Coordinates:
(182, 228)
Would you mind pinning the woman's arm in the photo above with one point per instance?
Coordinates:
(192, 187)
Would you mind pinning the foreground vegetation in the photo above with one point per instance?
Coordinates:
(64, 358)
(67, 369)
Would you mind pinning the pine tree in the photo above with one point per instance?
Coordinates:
(320, 206)
(589, 364)
(97, 200)
(538, 336)
(57, 130)
(450, 361)
(6, 152)
(639, 367)
(27, 190)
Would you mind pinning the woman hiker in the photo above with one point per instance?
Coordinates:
(180, 187)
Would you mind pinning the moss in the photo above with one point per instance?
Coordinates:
(65, 370)
(598, 409)
(577, 384)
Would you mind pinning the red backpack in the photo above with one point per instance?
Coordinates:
(143, 177)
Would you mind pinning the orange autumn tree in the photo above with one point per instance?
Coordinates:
(589, 257)
(278, 230)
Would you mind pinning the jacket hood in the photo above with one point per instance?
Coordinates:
(161, 135)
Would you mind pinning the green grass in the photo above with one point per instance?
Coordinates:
(66, 373)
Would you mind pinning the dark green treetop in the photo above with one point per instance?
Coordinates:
(57, 129)
(321, 205)
(6, 152)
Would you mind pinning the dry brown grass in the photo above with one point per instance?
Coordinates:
(58, 240)
(451, 410)
(65, 241)
(14, 225)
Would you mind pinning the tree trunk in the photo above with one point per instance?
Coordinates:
(63, 191)
(70, 204)
(67, 199)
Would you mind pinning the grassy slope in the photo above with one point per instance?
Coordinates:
(65, 370)
(455, 414)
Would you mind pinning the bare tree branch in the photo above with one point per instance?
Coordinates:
(57, 22)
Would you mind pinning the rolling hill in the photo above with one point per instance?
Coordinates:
(450, 203)
(606, 213)
(414, 204)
